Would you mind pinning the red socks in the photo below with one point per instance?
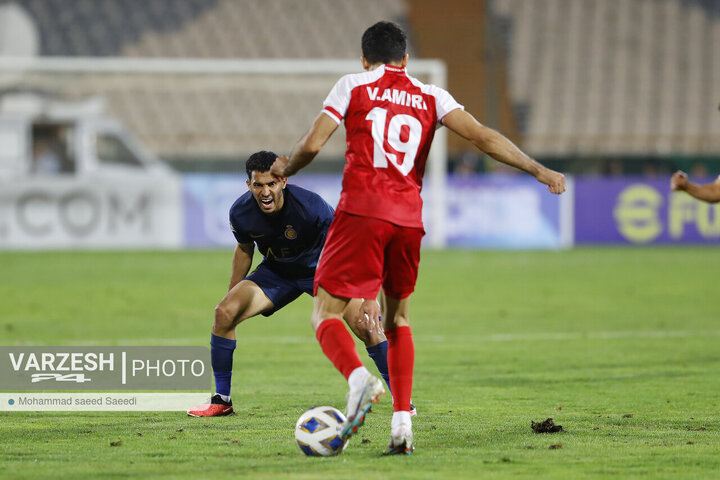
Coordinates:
(338, 345)
(401, 360)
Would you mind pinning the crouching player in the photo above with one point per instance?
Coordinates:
(288, 224)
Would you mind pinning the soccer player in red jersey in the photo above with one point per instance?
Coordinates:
(374, 239)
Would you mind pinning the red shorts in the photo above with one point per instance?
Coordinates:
(361, 254)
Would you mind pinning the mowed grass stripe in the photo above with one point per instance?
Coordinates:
(497, 337)
(617, 345)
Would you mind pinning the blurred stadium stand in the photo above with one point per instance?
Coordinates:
(615, 78)
(106, 27)
(192, 120)
(207, 28)
(586, 79)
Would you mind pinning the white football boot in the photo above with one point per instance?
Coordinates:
(401, 440)
(359, 402)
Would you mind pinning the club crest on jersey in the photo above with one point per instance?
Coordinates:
(398, 97)
(290, 233)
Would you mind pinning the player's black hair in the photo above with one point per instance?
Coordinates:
(384, 42)
(260, 162)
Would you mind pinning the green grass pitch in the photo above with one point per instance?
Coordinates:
(619, 346)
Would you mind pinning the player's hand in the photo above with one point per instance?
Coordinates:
(370, 316)
(555, 181)
(678, 181)
(279, 166)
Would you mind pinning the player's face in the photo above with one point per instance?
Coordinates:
(267, 190)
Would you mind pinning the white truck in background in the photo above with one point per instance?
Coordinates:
(70, 177)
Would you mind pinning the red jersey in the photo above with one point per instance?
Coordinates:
(390, 120)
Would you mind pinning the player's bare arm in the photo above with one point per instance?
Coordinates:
(679, 181)
(242, 260)
(709, 192)
(306, 148)
(501, 149)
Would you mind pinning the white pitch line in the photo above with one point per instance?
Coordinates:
(419, 337)
(610, 335)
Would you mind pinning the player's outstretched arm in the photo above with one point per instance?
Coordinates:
(501, 149)
(306, 148)
(709, 192)
(242, 260)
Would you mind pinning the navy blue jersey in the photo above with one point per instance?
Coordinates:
(290, 241)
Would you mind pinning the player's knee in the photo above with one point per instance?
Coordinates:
(315, 321)
(374, 337)
(224, 318)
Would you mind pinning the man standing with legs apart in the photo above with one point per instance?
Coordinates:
(374, 240)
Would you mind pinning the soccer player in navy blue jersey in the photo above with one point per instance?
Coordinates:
(288, 224)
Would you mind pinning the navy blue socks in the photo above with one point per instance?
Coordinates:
(221, 357)
(379, 355)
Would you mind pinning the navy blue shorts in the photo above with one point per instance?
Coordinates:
(279, 290)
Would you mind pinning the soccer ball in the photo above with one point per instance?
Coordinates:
(317, 432)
